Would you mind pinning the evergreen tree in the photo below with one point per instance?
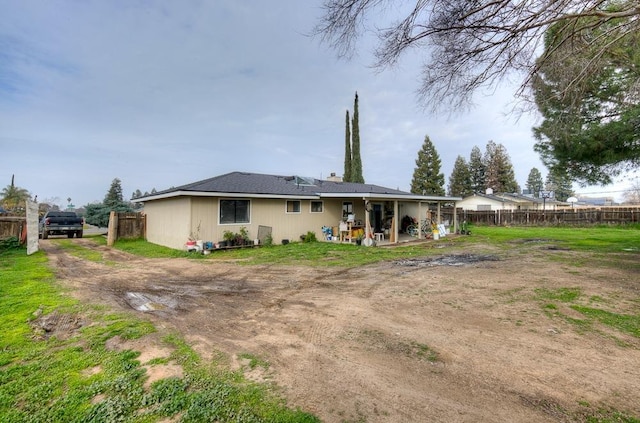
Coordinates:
(499, 176)
(534, 182)
(460, 184)
(136, 194)
(347, 150)
(114, 195)
(427, 179)
(98, 213)
(589, 101)
(561, 185)
(477, 170)
(356, 160)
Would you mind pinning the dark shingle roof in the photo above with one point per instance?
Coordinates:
(255, 183)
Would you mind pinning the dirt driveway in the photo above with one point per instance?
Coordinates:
(466, 338)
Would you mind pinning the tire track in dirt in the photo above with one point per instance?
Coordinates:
(343, 343)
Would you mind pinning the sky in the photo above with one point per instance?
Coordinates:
(163, 93)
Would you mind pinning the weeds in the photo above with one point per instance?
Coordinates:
(79, 251)
(76, 378)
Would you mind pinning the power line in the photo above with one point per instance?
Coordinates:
(602, 192)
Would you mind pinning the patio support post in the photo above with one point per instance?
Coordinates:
(455, 218)
(439, 217)
(396, 231)
(367, 221)
(419, 216)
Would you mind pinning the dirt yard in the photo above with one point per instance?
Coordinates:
(464, 338)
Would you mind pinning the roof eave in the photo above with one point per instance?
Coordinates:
(366, 195)
(182, 193)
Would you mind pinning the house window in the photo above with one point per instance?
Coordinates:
(483, 207)
(293, 206)
(234, 211)
(347, 209)
(317, 207)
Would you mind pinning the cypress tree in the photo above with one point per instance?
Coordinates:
(427, 179)
(347, 150)
(356, 160)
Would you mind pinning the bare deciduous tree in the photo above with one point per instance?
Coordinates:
(632, 195)
(473, 43)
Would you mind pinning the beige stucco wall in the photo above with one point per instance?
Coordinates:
(168, 221)
(418, 211)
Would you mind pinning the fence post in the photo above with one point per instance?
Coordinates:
(112, 230)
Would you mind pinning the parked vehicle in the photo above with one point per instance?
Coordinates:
(60, 223)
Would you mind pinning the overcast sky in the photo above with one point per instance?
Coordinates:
(163, 93)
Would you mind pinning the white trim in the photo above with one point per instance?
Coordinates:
(221, 194)
(398, 197)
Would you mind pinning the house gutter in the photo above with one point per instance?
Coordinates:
(221, 194)
(398, 197)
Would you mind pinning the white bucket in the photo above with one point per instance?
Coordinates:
(436, 235)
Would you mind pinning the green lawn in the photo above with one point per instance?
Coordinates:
(596, 240)
(76, 379)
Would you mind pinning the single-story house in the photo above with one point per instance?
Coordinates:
(290, 206)
(505, 201)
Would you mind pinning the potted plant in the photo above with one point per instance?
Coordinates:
(244, 234)
(359, 237)
(228, 239)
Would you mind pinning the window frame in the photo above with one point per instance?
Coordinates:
(312, 202)
(235, 222)
(286, 206)
(347, 209)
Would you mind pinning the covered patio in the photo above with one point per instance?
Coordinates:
(383, 219)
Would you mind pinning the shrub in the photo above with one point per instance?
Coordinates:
(310, 237)
(12, 243)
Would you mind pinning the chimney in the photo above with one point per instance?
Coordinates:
(489, 191)
(333, 178)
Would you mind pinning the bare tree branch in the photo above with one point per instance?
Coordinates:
(474, 43)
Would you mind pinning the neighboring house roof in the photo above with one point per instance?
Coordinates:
(491, 197)
(261, 185)
(596, 201)
(507, 201)
(518, 198)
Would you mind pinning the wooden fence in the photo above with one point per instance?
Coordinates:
(11, 226)
(565, 217)
(126, 226)
(131, 225)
